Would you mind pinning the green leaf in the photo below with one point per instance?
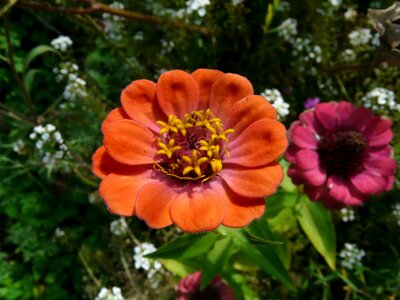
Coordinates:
(176, 267)
(186, 247)
(215, 261)
(317, 224)
(238, 283)
(280, 201)
(29, 77)
(287, 184)
(37, 51)
(265, 257)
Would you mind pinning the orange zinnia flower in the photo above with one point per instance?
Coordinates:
(197, 150)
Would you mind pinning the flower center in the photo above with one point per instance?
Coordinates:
(192, 148)
(342, 152)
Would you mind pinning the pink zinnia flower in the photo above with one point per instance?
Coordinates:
(189, 289)
(341, 154)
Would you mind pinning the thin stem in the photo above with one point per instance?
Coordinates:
(10, 53)
(89, 270)
(126, 268)
(130, 233)
(7, 7)
(101, 7)
(6, 111)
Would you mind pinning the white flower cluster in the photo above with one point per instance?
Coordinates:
(198, 6)
(347, 214)
(351, 256)
(349, 55)
(119, 227)
(237, 2)
(275, 98)
(62, 43)
(114, 25)
(307, 51)
(396, 212)
(381, 99)
(65, 70)
(59, 233)
(335, 2)
(106, 294)
(166, 46)
(18, 147)
(288, 30)
(359, 37)
(49, 143)
(141, 262)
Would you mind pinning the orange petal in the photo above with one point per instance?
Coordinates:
(257, 182)
(260, 144)
(139, 101)
(196, 211)
(240, 210)
(247, 111)
(153, 203)
(205, 79)
(130, 143)
(103, 164)
(114, 115)
(226, 91)
(119, 191)
(177, 93)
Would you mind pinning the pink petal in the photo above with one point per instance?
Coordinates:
(368, 182)
(310, 122)
(307, 159)
(291, 152)
(296, 175)
(343, 191)
(316, 176)
(344, 113)
(384, 166)
(303, 138)
(358, 119)
(326, 115)
(378, 132)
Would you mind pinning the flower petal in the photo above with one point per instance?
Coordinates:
(119, 191)
(310, 122)
(368, 182)
(130, 143)
(226, 91)
(344, 113)
(103, 164)
(291, 152)
(198, 210)
(378, 132)
(303, 138)
(247, 111)
(114, 115)
(342, 191)
(260, 144)
(240, 210)
(205, 79)
(326, 114)
(139, 101)
(307, 159)
(257, 182)
(358, 119)
(153, 202)
(177, 93)
(316, 176)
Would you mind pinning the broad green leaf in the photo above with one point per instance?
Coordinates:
(186, 247)
(261, 229)
(279, 202)
(176, 267)
(287, 184)
(215, 261)
(265, 257)
(238, 283)
(262, 255)
(317, 224)
(37, 51)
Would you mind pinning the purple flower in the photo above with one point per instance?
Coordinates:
(189, 289)
(311, 102)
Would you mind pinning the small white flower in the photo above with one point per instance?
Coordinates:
(351, 256)
(288, 29)
(45, 136)
(39, 129)
(18, 146)
(32, 135)
(381, 99)
(275, 98)
(335, 2)
(61, 43)
(237, 2)
(396, 212)
(347, 214)
(198, 6)
(59, 232)
(348, 55)
(350, 14)
(119, 227)
(39, 144)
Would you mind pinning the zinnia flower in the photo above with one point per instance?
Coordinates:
(341, 153)
(189, 289)
(197, 150)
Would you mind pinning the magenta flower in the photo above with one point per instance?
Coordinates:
(189, 289)
(311, 102)
(341, 154)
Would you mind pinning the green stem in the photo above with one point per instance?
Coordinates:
(89, 270)
(7, 7)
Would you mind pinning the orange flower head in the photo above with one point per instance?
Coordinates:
(196, 150)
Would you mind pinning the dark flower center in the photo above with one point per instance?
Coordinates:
(343, 152)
